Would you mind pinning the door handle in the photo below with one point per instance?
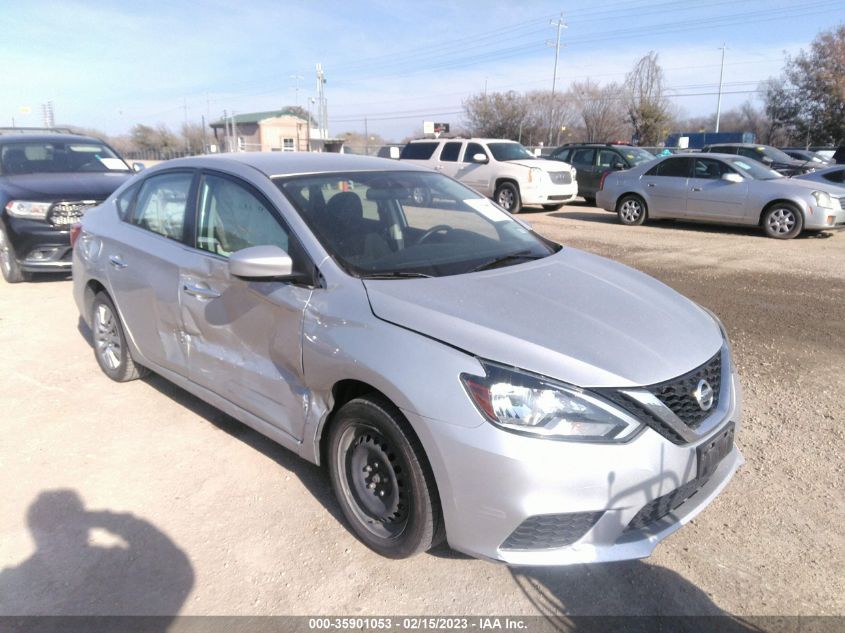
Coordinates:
(696, 188)
(117, 262)
(439, 167)
(651, 184)
(200, 291)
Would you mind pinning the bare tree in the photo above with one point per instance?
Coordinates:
(495, 115)
(647, 106)
(600, 109)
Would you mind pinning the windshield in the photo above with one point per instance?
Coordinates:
(509, 151)
(393, 224)
(41, 157)
(775, 154)
(755, 170)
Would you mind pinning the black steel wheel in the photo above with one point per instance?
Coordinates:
(382, 480)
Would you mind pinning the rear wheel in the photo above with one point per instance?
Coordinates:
(631, 210)
(9, 265)
(382, 480)
(783, 221)
(507, 197)
(110, 348)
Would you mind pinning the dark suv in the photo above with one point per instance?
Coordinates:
(771, 157)
(47, 181)
(591, 160)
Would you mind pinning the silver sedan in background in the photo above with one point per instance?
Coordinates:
(724, 189)
(831, 176)
(460, 376)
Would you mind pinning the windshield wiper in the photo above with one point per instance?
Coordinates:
(504, 259)
(395, 274)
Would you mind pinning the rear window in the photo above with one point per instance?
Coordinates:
(418, 151)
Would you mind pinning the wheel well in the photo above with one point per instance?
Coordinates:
(501, 181)
(631, 193)
(791, 203)
(92, 289)
(342, 392)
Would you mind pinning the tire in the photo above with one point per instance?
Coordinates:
(110, 348)
(631, 210)
(9, 265)
(782, 221)
(591, 202)
(552, 207)
(421, 196)
(507, 197)
(382, 480)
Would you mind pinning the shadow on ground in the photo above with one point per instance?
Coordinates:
(95, 562)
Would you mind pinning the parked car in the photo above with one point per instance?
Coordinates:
(771, 157)
(47, 181)
(724, 189)
(814, 159)
(831, 176)
(457, 373)
(592, 160)
(839, 155)
(500, 169)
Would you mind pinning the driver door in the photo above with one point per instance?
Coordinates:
(476, 175)
(244, 337)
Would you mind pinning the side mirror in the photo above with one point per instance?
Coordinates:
(617, 166)
(479, 158)
(767, 160)
(261, 262)
(735, 178)
(136, 167)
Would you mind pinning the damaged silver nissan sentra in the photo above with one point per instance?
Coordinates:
(462, 377)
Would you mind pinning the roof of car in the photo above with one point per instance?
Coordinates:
(736, 145)
(474, 139)
(48, 138)
(289, 163)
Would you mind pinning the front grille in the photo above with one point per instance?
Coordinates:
(842, 203)
(547, 531)
(561, 177)
(677, 393)
(655, 510)
(64, 213)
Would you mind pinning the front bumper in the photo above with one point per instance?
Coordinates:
(39, 246)
(548, 193)
(491, 481)
(820, 219)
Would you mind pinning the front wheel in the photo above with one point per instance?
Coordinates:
(9, 265)
(631, 210)
(382, 480)
(507, 197)
(783, 221)
(110, 348)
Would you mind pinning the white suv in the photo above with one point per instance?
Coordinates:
(500, 169)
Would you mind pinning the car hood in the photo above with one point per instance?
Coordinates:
(812, 185)
(580, 318)
(48, 187)
(542, 163)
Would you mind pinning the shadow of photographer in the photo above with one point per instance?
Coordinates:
(94, 563)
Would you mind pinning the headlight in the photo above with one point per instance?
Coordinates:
(573, 171)
(533, 405)
(823, 199)
(29, 210)
(535, 174)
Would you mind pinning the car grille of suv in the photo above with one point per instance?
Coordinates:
(842, 203)
(560, 177)
(655, 510)
(547, 531)
(64, 213)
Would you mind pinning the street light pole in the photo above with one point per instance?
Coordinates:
(721, 74)
(560, 24)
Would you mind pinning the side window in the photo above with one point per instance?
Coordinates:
(161, 204)
(585, 157)
(232, 218)
(710, 169)
(418, 151)
(608, 158)
(749, 153)
(450, 152)
(124, 201)
(671, 167)
(471, 150)
(563, 155)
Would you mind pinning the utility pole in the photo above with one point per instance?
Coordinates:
(185, 128)
(721, 74)
(296, 79)
(560, 24)
(322, 111)
(366, 139)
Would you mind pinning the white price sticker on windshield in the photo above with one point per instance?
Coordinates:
(487, 209)
(113, 163)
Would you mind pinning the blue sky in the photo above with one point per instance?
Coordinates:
(109, 65)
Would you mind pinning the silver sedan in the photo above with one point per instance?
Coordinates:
(831, 176)
(724, 189)
(460, 376)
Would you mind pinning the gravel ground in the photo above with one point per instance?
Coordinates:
(141, 499)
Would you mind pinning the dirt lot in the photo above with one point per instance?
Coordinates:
(139, 498)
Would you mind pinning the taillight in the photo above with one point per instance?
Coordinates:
(75, 231)
(601, 182)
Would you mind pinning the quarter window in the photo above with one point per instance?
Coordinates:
(418, 151)
(232, 218)
(124, 201)
(161, 204)
(835, 176)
